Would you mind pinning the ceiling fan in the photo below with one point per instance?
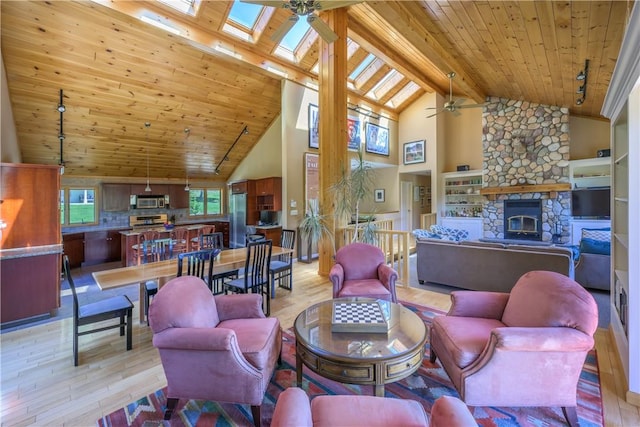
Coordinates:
(304, 8)
(452, 105)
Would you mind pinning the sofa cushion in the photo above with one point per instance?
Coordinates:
(370, 288)
(593, 246)
(464, 338)
(446, 233)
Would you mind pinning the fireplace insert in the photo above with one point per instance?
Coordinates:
(523, 219)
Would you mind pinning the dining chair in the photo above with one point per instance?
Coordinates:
(141, 254)
(255, 277)
(198, 263)
(108, 308)
(179, 240)
(281, 267)
(205, 229)
(216, 241)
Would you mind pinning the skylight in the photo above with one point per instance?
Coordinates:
(188, 7)
(364, 64)
(245, 14)
(293, 38)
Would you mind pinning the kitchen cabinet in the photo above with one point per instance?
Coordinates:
(239, 187)
(73, 247)
(178, 197)
(30, 255)
(156, 190)
(271, 233)
(115, 197)
(269, 194)
(223, 227)
(101, 246)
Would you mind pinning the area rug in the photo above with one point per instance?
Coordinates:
(426, 385)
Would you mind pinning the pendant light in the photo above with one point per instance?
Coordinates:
(148, 187)
(186, 167)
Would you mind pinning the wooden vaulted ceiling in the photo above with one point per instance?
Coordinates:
(118, 72)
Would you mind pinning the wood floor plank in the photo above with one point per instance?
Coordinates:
(40, 385)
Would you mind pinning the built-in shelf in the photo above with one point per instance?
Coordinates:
(462, 198)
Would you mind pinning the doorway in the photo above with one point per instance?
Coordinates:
(406, 205)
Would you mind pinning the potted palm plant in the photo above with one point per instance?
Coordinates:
(314, 226)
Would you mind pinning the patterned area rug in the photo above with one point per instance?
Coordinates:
(425, 386)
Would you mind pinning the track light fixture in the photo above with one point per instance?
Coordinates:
(245, 131)
(582, 77)
(61, 109)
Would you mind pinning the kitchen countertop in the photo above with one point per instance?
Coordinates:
(266, 227)
(30, 251)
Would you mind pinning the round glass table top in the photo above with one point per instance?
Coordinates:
(405, 331)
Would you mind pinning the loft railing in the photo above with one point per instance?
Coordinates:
(393, 243)
(427, 220)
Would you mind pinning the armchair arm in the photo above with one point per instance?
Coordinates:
(541, 339)
(213, 339)
(292, 409)
(239, 306)
(489, 305)
(336, 275)
(388, 277)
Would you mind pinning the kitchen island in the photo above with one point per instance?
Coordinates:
(130, 237)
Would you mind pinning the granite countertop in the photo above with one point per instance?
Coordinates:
(30, 251)
(267, 227)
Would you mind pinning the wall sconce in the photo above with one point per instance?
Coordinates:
(245, 131)
(582, 77)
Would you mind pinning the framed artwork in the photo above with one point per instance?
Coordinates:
(414, 152)
(311, 178)
(378, 195)
(313, 126)
(376, 139)
(353, 132)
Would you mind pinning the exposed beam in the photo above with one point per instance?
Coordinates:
(401, 16)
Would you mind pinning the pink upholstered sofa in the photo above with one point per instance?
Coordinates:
(524, 348)
(294, 410)
(361, 271)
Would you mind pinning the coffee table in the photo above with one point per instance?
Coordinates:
(359, 357)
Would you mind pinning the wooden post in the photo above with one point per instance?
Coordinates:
(333, 123)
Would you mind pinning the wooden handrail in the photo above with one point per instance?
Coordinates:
(427, 220)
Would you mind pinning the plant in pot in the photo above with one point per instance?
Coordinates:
(354, 185)
(313, 226)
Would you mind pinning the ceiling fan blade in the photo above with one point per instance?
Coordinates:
(321, 28)
(328, 5)
(284, 28)
(270, 3)
(440, 110)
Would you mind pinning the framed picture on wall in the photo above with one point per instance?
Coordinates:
(414, 152)
(313, 126)
(311, 178)
(378, 195)
(353, 133)
(376, 139)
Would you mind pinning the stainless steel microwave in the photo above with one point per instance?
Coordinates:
(153, 202)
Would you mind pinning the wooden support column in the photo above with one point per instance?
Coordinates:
(333, 123)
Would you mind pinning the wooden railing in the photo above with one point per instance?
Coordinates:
(427, 220)
(393, 243)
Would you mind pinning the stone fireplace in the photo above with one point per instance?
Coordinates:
(526, 161)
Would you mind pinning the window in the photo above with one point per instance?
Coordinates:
(205, 201)
(188, 7)
(78, 206)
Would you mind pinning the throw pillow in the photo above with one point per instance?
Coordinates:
(421, 234)
(603, 234)
(593, 246)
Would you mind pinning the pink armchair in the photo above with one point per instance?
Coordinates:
(219, 348)
(526, 348)
(360, 271)
(294, 410)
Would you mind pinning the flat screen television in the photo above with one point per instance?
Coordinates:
(591, 202)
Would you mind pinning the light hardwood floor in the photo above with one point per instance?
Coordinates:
(40, 385)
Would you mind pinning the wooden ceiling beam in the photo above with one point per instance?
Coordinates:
(401, 16)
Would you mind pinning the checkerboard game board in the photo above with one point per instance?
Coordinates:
(358, 317)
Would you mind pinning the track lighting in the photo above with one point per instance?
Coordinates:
(245, 131)
(61, 109)
(582, 77)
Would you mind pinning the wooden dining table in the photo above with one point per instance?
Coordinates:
(162, 271)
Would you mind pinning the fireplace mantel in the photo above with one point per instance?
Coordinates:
(492, 192)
